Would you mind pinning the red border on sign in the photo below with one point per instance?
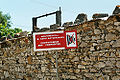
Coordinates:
(43, 41)
(76, 40)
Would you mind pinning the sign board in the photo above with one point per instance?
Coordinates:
(55, 40)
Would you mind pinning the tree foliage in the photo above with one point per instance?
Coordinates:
(5, 19)
(5, 25)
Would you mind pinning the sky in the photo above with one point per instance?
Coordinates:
(22, 11)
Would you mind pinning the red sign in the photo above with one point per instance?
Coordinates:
(71, 39)
(55, 40)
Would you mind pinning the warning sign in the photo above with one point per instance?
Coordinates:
(71, 39)
(55, 40)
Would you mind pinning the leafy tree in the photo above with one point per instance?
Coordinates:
(5, 19)
(5, 25)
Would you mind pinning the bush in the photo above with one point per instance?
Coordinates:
(5, 25)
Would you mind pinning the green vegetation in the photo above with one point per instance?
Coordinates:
(5, 25)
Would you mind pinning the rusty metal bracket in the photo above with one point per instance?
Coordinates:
(58, 18)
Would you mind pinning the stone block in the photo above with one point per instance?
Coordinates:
(105, 45)
(118, 28)
(77, 71)
(110, 37)
(86, 38)
(117, 23)
(116, 43)
(118, 64)
(92, 49)
(96, 37)
(83, 44)
(43, 69)
(99, 15)
(81, 67)
(73, 77)
(97, 31)
(6, 74)
(29, 59)
(116, 78)
(81, 18)
(100, 65)
(89, 75)
(75, 59)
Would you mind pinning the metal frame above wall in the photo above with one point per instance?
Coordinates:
(58, 18)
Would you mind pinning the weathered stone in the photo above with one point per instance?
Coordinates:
(78, 37)
(117, 10)
(24, 33)
(29, 60)
(103, 36)
(6, 74)
(110, 37)
(81, 66)
(77, 70)
(100, 41)
(87, 59)
(54, 26)
(71, 56)
(109, 64)
(118, 64)
(44, 29)
(95, 37)
(70, 70)
(105, 45)
(100, 65)
(66, 60)
(109, 27)
(83, 44)
(116, 43)
(75, 59)
(27, 78)
(43, 69)
(81, 18)
(86, 38)
(85, 27)
(73, 77)
(21, 60)
(112, 54)
(99, 15)
(101, 22)
(97, 31)
(116, 78)
(92, 49)
(52, 59)
(86, 63)
(117, 23)
(118, 28)
(67, 24)
(95, 44)
(106, 77)
(93, 70)
(89, 75)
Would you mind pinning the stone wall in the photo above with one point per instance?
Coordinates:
(96, 58)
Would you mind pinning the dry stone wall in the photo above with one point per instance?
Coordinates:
(96, 58)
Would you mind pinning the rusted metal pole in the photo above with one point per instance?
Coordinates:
(58, 17)
(34, 20)
(57, 78)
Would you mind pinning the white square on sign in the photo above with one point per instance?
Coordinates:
(71, 39)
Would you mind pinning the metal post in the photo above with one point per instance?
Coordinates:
(57, 66)
(34, 20)
(58, 17)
